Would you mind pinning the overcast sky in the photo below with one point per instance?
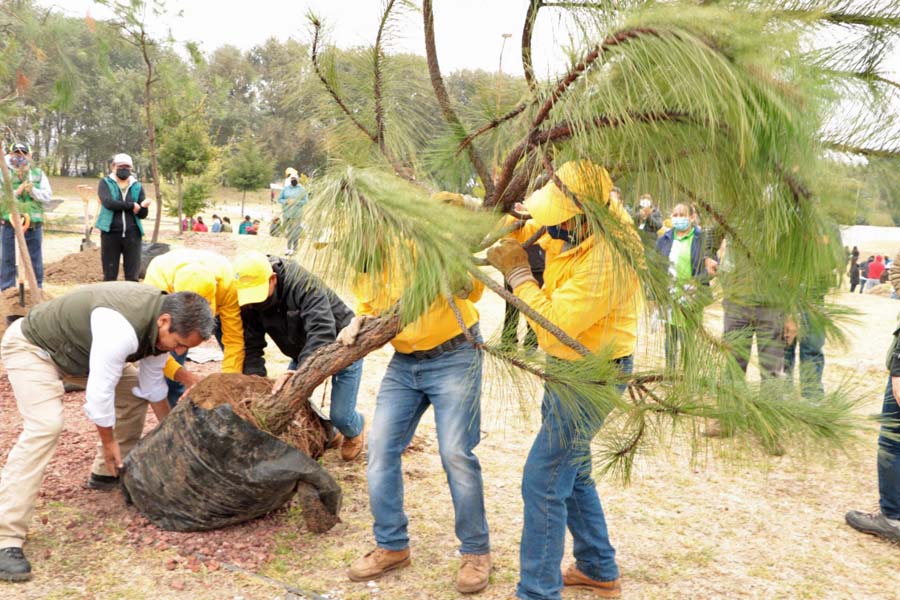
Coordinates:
(469, 33)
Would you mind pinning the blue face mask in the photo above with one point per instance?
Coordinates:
(558, 233)
(681, 223)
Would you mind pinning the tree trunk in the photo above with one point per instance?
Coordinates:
(243, 198)
(276, 412)
(151, 135)
(24, 257)
(180, 200)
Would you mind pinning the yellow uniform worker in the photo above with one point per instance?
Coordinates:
(434, 366)
(210, 276)
(591, 292)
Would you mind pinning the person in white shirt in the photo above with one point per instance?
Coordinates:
(92, 334)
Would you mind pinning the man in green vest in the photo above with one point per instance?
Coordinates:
(31, 189)
(123, 206)
(91, 336)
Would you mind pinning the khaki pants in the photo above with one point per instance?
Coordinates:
(38, 386)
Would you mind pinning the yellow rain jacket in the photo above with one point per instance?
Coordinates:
(587, 293)
(222, 296)
(437, 325)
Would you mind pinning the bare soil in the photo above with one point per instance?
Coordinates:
(76, 268)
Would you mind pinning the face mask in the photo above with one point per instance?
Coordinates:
(18, 161)
(558, 233)
(123, 173)
(293, 182)
(681, 223)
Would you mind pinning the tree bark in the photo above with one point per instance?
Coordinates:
(151, 133)
(275, 413)
(181, 201)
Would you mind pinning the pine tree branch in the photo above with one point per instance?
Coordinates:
(317, 28)
(863, 151)
(378, 84)
(509, 164)
(491, 125)
(529, 312)
(443, 98)
(527, 30)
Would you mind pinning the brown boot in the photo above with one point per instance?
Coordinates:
(353, 447)
(474, 573)
(378, 562)
(336, 441)
(573, 578)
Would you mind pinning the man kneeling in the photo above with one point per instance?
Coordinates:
(93, 332)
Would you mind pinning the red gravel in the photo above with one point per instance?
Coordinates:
(248, 545)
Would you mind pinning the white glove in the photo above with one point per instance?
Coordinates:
(347, 335)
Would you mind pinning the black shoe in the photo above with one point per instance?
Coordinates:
(875, 523)
(103, 483)
(13, 565)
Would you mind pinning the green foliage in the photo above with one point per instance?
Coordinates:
(730, 106)
(185, 150)
(247, 168)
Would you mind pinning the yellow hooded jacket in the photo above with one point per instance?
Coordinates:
(437, 325)
(211, 276)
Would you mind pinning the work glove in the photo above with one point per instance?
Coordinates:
(347, 335)
(511, 259)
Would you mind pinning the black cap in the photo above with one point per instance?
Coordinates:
(19, 147)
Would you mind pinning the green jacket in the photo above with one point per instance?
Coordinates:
(27, 205)
(105, 217)
(62, 326)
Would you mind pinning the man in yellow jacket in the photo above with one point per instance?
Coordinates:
(211, 276)
(434, 365)
(592, 295)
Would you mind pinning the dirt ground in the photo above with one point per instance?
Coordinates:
(725, 524)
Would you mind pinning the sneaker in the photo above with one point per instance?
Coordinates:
(573, 578)
(353, 447)
(474, 573)
(875, 523)
(104, 483)
(378, 562)
(13, 565)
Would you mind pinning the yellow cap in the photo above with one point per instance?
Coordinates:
(550, 206)
(290, 171)
(252, 271)
(198, 279)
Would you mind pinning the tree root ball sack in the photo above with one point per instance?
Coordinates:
(206, 467)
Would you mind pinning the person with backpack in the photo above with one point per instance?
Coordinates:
(123, 206)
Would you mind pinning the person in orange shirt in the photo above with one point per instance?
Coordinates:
(594, 297)
(434, 366)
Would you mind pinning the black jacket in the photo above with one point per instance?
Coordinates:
(302, 315)
(123, 210)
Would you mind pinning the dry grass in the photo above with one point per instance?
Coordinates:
(726, 525)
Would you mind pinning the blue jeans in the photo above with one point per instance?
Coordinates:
(451, 383)
(344, 388)
(33, 239)
(559, 491)
(812, 359)
(176, 389)
(889, 456)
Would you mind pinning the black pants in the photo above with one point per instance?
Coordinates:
(112, 246)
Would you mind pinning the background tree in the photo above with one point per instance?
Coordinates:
(248, 170)
(186, 151)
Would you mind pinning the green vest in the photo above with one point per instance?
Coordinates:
(104, 219)
(62, 326)
(26, 204)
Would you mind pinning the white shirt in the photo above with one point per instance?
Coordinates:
(113, 341)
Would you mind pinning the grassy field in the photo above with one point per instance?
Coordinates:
(718, 523)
